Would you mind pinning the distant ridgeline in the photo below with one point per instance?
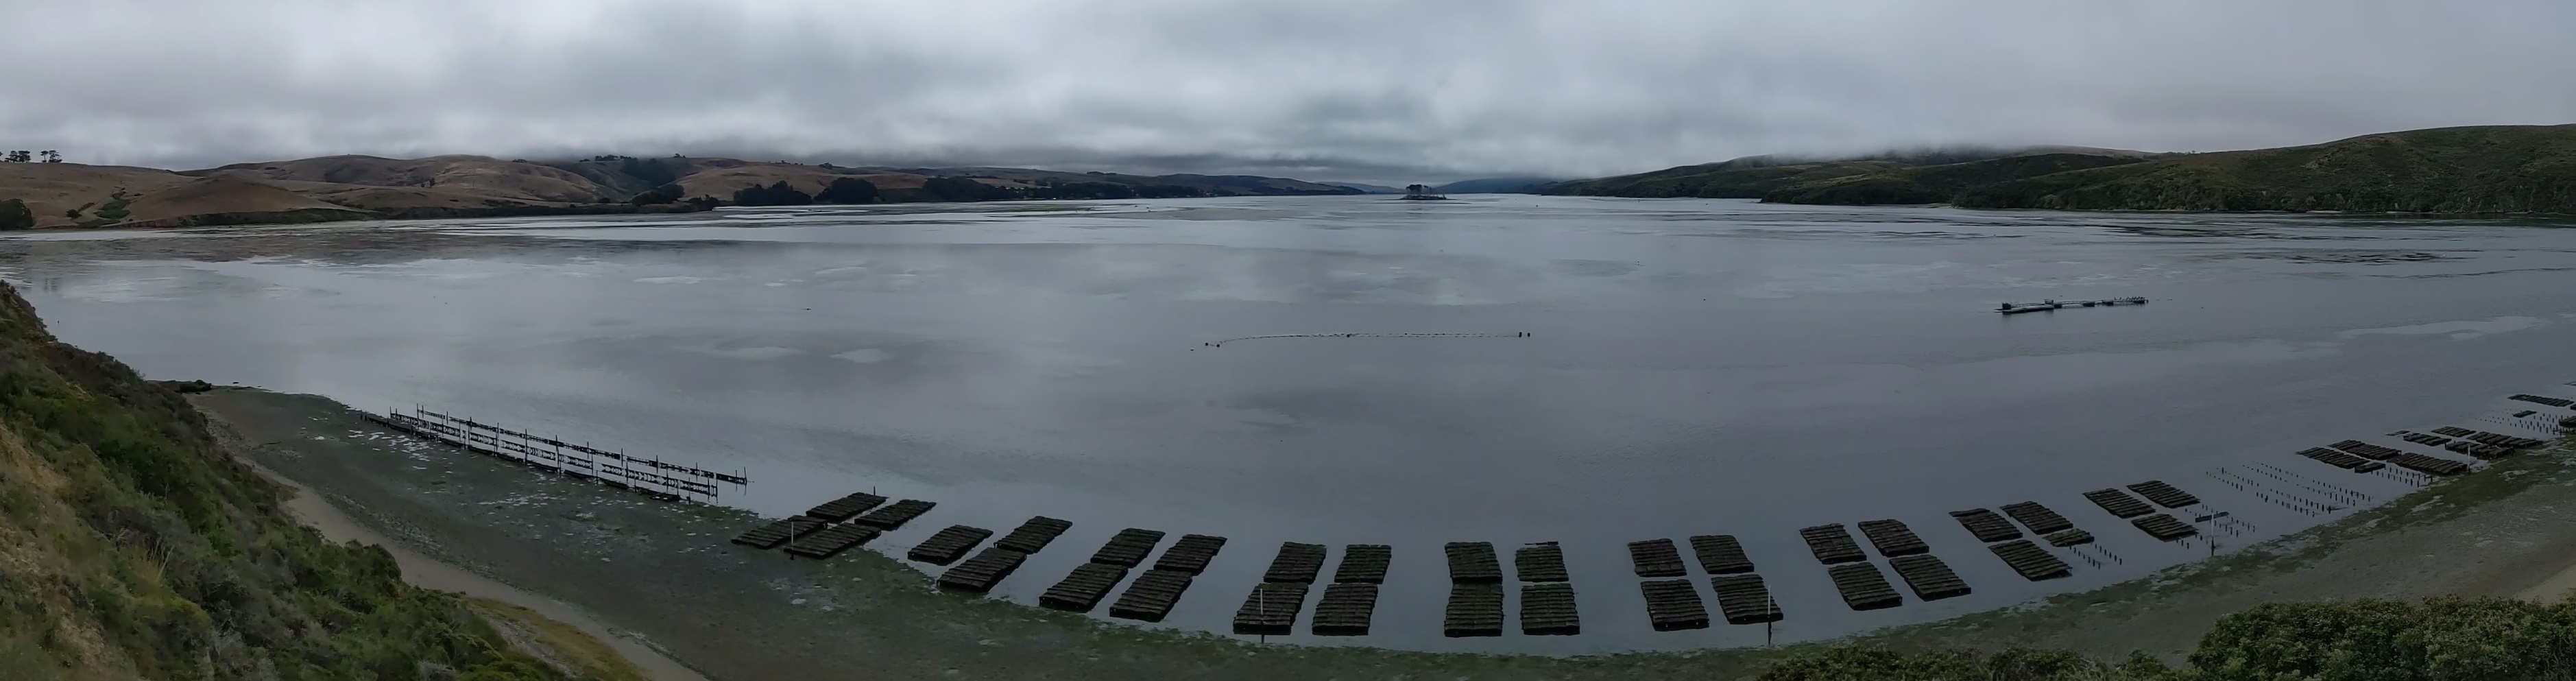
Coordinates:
(2481, 169)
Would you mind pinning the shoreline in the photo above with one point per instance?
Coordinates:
(742, 614)
(319, 513)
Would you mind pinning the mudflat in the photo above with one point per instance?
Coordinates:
(664, 573)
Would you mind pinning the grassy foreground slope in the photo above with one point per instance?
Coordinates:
(2482, 169)
(132, 547)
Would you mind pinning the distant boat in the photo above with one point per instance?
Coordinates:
(1422, 192)
(2046, 305)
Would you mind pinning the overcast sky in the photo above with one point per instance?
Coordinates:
(1319, 89)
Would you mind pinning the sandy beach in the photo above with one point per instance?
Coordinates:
(664, 572)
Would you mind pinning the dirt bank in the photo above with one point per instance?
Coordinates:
(666, 572)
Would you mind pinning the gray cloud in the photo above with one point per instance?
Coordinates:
(1326, 89)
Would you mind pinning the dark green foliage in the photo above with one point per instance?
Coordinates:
(181, 559)
(2442, 638)
(2486, 169)
(668, 193)
(848, 190)
(655, 172)
(14, 215)
(1936, 184)
(777, 194)
(959, 189)
(114, 209)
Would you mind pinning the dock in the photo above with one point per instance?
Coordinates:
(1190, 555)
(1673, 605)
(2040, 519)
(1928, 577)
(1743, 599)
(1473, 563)
(1034, 535)
(1893, 538)
(1863, 587)
(1832, 544)
(1474, 610)
(1271, 609)
(1346, 608)
(980, 573)
(1363, 564)
(1082, 590)
(1296, 564)
(1720, 554)
(2046, 305)
(2031, 561)
(948, 545)
(2119, 503)
(1989, 526)
(1544, 562)
(1657, 558)
(1548, 610)
(649, 476)
(1151, 596)
(1128, 548)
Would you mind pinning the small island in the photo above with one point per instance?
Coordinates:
(1423, 192)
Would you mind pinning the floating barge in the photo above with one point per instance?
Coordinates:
(1540, 563)
(1473, 563)
(844, 508)
(1271, 609)
(1082, 590)
(1657, 558)
(831, 541)
(949, 544)
(1474, 610)
(1863, 587)
(1296, 564)
(2031, 561)
(2046, 305)
(2164, 495)
(1893, 538)
(1989, 526)
(1363, 564)
(1720, 554)
(1151, 597)
(980, 573)
(2119, 503)
(1035, 534)
(1744, 599)
(1930, 578)
(1548, 610)
(1190, 555)
(2070, 538)
(1673, 605)
(2164, 527)
(1347, 607)
(2038, 518)
(893, 516)
(1832, 544)
(1128, 547)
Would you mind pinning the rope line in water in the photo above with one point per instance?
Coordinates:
(1514, 334)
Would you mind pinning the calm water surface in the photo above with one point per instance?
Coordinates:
(1694, 367)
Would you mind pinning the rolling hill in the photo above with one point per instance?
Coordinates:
(352, 187)
(1935, 184)
(1754, 177)
(1496, 185)
(2481, 169)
